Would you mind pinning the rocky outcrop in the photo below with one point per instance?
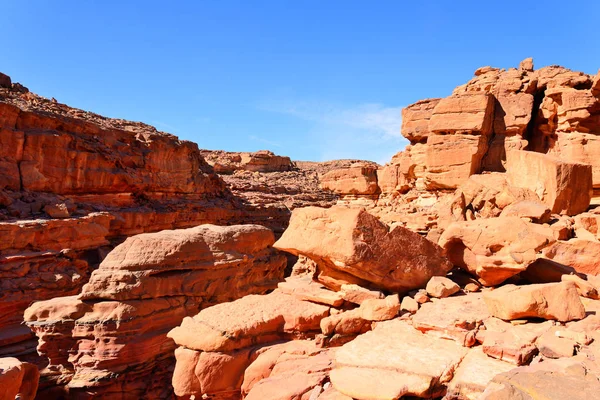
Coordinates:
(18, 380)
(224, 162)
(72, 185)
(111, 339)
(350, 246)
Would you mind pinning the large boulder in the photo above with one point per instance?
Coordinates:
(352, 246)
(566, 187)
(495, 249)
(581, 255)
(395, 360)
(556, 301)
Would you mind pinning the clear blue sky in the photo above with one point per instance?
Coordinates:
(314, 80)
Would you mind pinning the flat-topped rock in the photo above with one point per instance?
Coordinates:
(555, 301)
(250, 320)
(395, 360)
(474, 373)
(305, 288)
(457, 318)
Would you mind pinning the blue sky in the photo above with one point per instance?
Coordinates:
(314, 80)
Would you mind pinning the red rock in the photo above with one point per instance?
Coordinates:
(225, 162)
(208, 262)
(306, 289)
(57, 210)
(495, 249)
(457, 318)
(566, 187)
(357, 294)
(415, 120)
(352, 246)
(360, 180)
(378, 365)
(248, 321)
(286, 372)
(533, 210)
(113, 337)
(380, 309)
(553, 346)
(473, 374)
(511, 343)
(581, 255)
(440, 287)
(463, 113)
(5, 80)
(18, 380)
(557, 301)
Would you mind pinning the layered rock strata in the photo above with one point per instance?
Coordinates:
(110, 341)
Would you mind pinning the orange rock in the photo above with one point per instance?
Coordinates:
(440, 287)
(415, 120)
(360, 180)
(581, 255)
(552, 380)
(286, 372)
(378, 365)
(251, 320)
(112, 337)
(451, 159)
(380, 309)
(18, 380)
(474, 373)
(566, 187)
(511, 343)
(457, 318)
(557, 301)
(352, 246)
(463, 113)
(533, 210)
(495, 249)
(208, 262)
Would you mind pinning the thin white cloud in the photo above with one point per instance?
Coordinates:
(364, 131)
(263, 140)
(370, 117)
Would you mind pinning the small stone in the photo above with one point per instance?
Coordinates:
(380, 309)
(59, 210)
(409, 304)
(440, 287)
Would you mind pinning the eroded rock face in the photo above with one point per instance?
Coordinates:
(111, 340)
(219, 343)
(72, 185)
(495, 249)
(359, 180)
(352, 246)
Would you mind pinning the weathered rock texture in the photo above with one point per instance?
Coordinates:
(73, 184)
(111, 339)
(350, 245)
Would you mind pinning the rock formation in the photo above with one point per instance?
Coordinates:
(110, 340)
(465, 268)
